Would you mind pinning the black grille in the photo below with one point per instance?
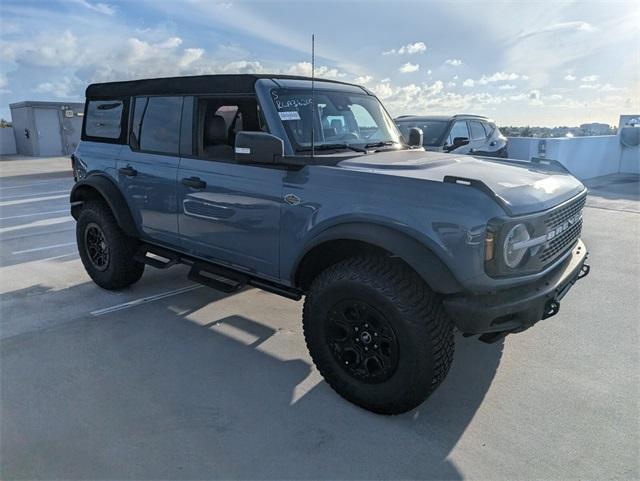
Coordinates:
(565, 240)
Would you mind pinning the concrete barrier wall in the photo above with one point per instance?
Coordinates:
(585, 157)
(7, 141)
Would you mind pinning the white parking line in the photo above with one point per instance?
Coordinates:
(33, 214)
(26, 201)
(144, 300)
(2, 188)
(37, 223)
(22, 196)
(58, 257)
(37, 249)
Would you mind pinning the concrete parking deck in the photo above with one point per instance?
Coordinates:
(170, 380)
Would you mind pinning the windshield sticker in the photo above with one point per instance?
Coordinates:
(289, 115)
(291, 102)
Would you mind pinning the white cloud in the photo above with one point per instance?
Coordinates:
(498, 77)
(454, 62)
(409, 49)
(96, 7)
(507, 87)
(469, 82)
(65, 88)
(363, 79)
(589, 78)
(304, 69)
(409, 67)
(597, 86)
(569, 77)
(559, 27)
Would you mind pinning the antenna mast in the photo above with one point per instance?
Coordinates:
(313, 94)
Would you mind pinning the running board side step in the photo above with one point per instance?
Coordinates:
(172, 258)
(217, 277)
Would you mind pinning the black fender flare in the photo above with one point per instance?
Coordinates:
(417, 255)
(109, 192)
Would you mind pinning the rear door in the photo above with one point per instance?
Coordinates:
(229, 213)
(148, 166)
(478, 143)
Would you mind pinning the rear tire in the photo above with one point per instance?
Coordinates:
(105, 250)
(377, 333)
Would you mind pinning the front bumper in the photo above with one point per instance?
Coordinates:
(518, 308)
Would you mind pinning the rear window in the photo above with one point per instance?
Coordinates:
(104, 119)
(477, 130)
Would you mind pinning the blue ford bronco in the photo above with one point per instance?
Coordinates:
(307, 188)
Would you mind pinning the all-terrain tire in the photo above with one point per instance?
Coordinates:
(386, 289)
(115, 268)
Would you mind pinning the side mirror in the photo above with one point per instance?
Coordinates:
(415, 137)
(258, 148)
(459, 142)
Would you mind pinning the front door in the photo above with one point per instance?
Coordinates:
(148, 167)
(229, 213)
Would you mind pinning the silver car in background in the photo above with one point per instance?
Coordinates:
(459, 134)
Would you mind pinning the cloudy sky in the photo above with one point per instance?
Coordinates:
(522, 63)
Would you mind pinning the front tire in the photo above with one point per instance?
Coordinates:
(105, 250)
(377, 333)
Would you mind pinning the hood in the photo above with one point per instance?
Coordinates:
(522, 187)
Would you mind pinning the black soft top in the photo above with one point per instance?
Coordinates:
(197, 84)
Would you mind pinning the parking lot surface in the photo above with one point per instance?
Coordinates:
(171, 380)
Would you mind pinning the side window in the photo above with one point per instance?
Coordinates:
(156, 124)
(104, 118)
(459, 129)
(220, 120)
(477, 131)
(489, 128)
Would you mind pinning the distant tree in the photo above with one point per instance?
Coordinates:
(4, 123)
(525, 132)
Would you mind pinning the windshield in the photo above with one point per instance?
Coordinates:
(432, 130)
(343, 120)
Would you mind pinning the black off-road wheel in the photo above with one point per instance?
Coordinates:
(105, 250)
(377, 333)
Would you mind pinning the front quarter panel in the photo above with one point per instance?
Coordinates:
(448, 219)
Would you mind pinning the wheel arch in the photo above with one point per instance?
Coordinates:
(350, 239)
(101, 187)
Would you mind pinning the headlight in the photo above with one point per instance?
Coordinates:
(512, 256)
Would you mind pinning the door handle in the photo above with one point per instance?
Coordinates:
(195, 182)
(128, 171)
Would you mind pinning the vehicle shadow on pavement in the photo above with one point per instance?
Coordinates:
(150, 394)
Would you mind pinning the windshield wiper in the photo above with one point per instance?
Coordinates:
(333, 147)
(383, 143)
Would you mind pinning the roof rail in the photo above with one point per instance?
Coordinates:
(471, 115)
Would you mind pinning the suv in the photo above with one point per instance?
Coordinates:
(307, 188)
(459, 134)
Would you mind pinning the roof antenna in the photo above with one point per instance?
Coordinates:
(313, 95)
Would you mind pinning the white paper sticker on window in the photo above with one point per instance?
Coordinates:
(243, 150)
(289, 115)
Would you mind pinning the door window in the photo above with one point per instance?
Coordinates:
(477, 130)
(220, 120)
(156, 124)
(459, 129)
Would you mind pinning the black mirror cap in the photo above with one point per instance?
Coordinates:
(460, 141)
(415, 137)
(258, 148)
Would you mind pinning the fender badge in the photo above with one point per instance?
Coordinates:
(292, 199)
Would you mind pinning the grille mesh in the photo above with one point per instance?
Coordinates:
(565, 240)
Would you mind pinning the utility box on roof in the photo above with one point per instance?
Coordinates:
(46, 129)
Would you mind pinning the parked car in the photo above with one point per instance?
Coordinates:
(457, 134)
(258, 180)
